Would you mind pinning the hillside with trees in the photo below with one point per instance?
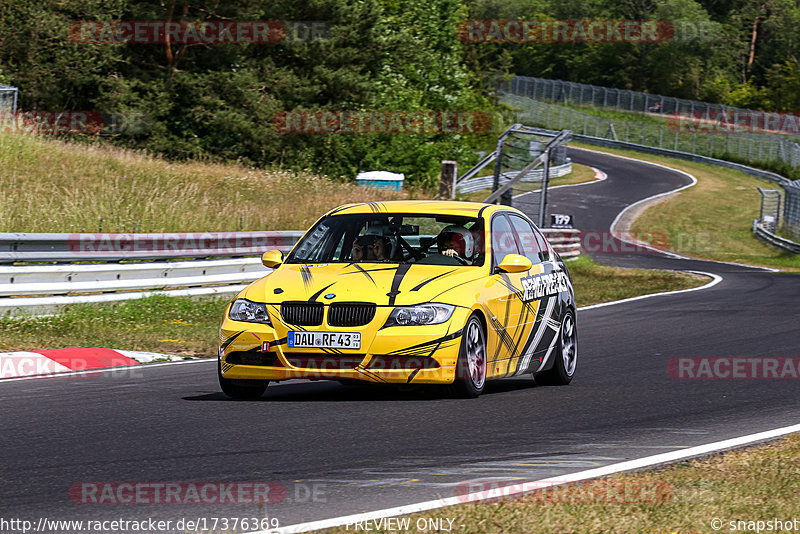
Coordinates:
(218, 101)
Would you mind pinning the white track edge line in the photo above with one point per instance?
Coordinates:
(715, 279)
(519, 489)
(599, 177)
(615, 233)
(103, 370)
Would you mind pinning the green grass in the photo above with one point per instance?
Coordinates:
(713, 219)
(171, 325)
(48, 185)
(189, 326)
(596, 283)
(757, 484)
(614, 114)
(621, 116)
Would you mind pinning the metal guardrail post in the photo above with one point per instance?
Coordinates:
(562, 137)
(545, 182)
(499, 161)
(477, 168)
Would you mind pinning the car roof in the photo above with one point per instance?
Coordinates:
(437, 207)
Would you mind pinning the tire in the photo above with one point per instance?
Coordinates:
(241, 389)
(470, 379)
(566, 357)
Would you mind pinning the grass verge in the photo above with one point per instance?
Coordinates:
(713, 219)
(595, 283)
(189, 326)
(579, 175)
(756, 484)
(48, 185)
(173, 325)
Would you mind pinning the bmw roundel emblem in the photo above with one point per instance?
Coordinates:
(329, 296)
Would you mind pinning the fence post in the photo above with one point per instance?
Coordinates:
(447, 180)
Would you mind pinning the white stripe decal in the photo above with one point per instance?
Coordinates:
(538, 337)
(550, 349)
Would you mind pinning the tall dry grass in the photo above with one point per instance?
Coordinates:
(48, 185)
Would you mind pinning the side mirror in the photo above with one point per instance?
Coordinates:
(272, 259)
(515, 263)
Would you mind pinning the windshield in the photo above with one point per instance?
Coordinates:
(404, 238)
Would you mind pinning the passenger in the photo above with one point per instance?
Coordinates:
(370, 247)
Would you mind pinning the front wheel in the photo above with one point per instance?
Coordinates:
(566, 357)
(241, 389)
(470, 378)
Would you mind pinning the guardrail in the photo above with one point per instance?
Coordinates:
(485, 182)
(567, 242)
(773, 239)
(47, 287)
(43, 247)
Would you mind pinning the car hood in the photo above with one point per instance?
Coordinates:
(383, 284)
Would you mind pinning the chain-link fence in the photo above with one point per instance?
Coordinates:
(791, 210)
(703, 116)
(748, 146)
(658, 136)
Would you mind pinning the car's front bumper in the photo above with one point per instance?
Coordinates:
(399, 354)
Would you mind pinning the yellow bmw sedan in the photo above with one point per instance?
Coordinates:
(405, 292)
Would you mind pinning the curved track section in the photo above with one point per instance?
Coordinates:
(340, 450)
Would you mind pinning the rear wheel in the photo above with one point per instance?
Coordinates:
(470, 378)
(566, 357)
(241, 389)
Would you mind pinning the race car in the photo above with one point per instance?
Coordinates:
(405, 292)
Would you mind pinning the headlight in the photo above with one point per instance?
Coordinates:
(249, 312)
(420, 315)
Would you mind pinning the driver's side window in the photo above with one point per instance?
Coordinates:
(531, 248)
(503, 241)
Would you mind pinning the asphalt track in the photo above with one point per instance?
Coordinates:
(364, 449)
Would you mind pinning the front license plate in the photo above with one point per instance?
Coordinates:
(324, 340)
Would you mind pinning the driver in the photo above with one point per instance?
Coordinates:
(455, 240)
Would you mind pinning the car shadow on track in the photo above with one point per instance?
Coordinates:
(331, 391)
